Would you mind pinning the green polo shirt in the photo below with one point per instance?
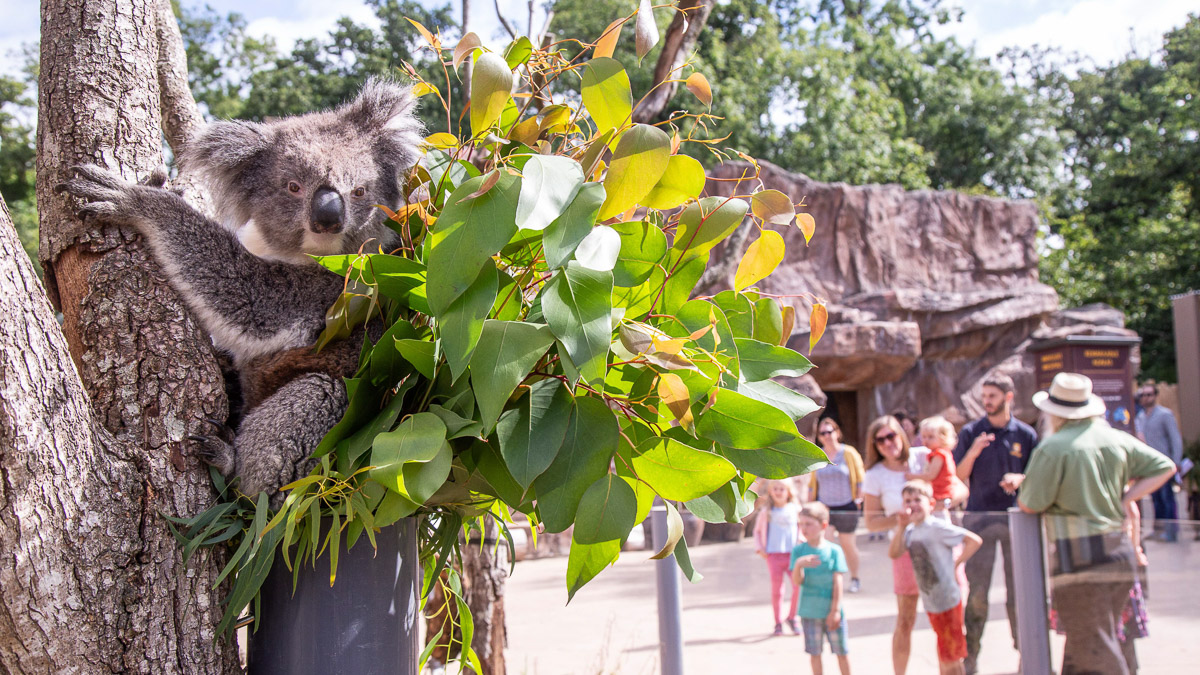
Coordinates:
(1079, 474)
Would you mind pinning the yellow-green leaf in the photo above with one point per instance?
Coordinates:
(683, 180)
(697, 83)
(772, 206)
(606, 94)
(607, 43)
(674, 393)
(761, 258)
(491, 84)
(816, 322)
(807, 225)
(442, 140)
(429, 37)
(641, 158)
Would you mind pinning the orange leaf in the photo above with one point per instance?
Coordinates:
(608, 40)
(429, 37)
(674, 394)
(807, 224)
(697, 83)
(671, 346)
(702, 332)
(789, 322)
(816, 322)
(488, 184)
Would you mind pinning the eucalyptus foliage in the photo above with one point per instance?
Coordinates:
(541, 351)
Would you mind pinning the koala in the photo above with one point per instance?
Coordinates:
(282, 190)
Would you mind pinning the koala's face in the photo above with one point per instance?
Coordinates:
(310, 185)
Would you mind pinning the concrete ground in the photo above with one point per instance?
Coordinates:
(611, 625)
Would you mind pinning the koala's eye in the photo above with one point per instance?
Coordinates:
(359, 191)
(294, 187)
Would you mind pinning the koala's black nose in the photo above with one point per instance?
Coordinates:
(327, 210)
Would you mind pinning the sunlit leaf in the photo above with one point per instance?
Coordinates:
(807, 225)
(554, 118)
(424, 89)
(466, 46)
(548, 186)
(442, 140)
(461, 324)
(563, 236)
(643, 246)
(761, 258)
(697, 83)
(413, 460)
(768, 321)
(674, 394)
(429, 37)
(491, 85)
(607, 44)
(674, 532)
(645, 29)
(793, 404)
(738, 421)
(762, 361)
(526, 132)
(606, 94)
(639, 161)
(606, 511)
(683, 180)
(585, 561)
(518, 52)
(772, 206)
(817, 319)
(794, 457)
(599, 249)
(708, 222)
(680, 472)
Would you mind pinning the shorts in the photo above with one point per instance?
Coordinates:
(904, 579)
(814, 632)
(844, 518)
(951, 639)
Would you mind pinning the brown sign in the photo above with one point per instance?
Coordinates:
(1105, 359)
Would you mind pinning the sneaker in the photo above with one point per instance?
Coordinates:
(969, 667)
(778, 629)
(854, 586)
(793, 626)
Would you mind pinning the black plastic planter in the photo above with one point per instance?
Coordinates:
(365, 624)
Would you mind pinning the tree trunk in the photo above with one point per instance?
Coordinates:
(678, 43)
(485, 571)
(92, 458)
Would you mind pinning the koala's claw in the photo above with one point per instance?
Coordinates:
(223, 431)
(213, 450)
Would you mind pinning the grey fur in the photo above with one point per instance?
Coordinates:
(264, 180)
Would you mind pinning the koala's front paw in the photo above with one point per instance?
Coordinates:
(109, 197)
(215, 449)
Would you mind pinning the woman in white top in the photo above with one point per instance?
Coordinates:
(887, 461)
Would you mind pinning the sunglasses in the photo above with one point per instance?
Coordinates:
(890, 436)
(827, 432)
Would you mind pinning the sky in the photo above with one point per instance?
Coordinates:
(1100, 30)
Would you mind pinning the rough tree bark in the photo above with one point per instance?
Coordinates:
(91, 456)
(680, 40)
(485, 572)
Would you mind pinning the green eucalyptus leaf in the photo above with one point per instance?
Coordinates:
(606, 511)
(739, 310)
(518, 52)
(586, 451)
(447, 173)
(508, 305)
(461, 325)
(684, 179)
(793, 457)
(638, 162)
(457, 426)
(531, 434)
(762, 361)
(768, 321)
(507, 351)
(727, 504)
(549, 184)
(793, 404)
(737, 421)
(414, 460)
(680, 472)
(643, 246)
(420, 353)
(679, 286)
(606, 93)
(684, 559)
(638, 300)
(386, 363)
(562, 236)
(491, 86)
(467, 233)
(707, 223)
(587, 560)
(362, 440)
(484, 459)
(576, 303)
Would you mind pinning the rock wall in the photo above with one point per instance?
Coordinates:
(927, 292)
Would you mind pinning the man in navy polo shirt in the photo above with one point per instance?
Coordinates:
(992, 454)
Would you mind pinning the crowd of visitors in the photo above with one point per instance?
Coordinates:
(943, 498)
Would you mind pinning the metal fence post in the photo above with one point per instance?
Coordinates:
(670, 633)
(1029, 585)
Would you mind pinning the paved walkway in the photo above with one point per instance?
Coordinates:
(611, 625)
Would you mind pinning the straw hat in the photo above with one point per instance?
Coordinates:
(1070, 397)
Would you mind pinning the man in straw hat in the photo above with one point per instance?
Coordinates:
(1080, 476)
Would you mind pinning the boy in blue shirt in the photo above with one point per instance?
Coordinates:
(819, 568)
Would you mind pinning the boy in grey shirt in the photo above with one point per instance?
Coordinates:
(931, 543)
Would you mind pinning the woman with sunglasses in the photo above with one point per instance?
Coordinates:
(838, 485)
(888, 459)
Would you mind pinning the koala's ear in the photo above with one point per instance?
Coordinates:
(386, 108)
(225, 147)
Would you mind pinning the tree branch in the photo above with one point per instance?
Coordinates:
(682, 34)
(181, 117)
